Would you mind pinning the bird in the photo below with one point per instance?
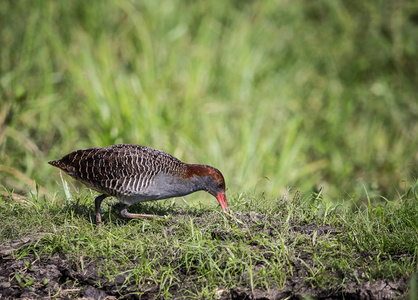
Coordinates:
(134, 173)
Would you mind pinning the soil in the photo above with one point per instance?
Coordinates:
(55, 277)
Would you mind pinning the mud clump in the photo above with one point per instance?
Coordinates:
(54, 278)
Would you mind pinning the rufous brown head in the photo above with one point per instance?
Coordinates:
(214, 182)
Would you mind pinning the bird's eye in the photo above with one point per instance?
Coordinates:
(221, 185)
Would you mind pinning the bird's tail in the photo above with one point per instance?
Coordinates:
(63, 166)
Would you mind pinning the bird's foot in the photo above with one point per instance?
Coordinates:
(126, 214)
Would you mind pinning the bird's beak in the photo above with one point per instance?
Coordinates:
(222, 201)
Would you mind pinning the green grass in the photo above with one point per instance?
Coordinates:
(308, 95)
(315, 96)
(197, 250)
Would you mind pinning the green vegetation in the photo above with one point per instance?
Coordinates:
(306, 94)
(318, 96)
(266, 244)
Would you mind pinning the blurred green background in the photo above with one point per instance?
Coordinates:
(276, 94)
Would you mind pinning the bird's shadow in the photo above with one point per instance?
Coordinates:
(110, 210)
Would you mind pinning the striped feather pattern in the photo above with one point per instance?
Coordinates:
(120, 170)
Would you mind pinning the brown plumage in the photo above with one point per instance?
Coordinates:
(133, 173)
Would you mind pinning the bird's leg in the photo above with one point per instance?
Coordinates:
(126, 214)
(97, 203)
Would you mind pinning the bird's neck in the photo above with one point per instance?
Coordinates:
(197, 176)
(194, 170)
(194, 179)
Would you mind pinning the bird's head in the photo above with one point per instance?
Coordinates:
(213, 182)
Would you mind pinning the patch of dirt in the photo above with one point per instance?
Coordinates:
(56, 277)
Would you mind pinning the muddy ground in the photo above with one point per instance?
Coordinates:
(57, 278)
